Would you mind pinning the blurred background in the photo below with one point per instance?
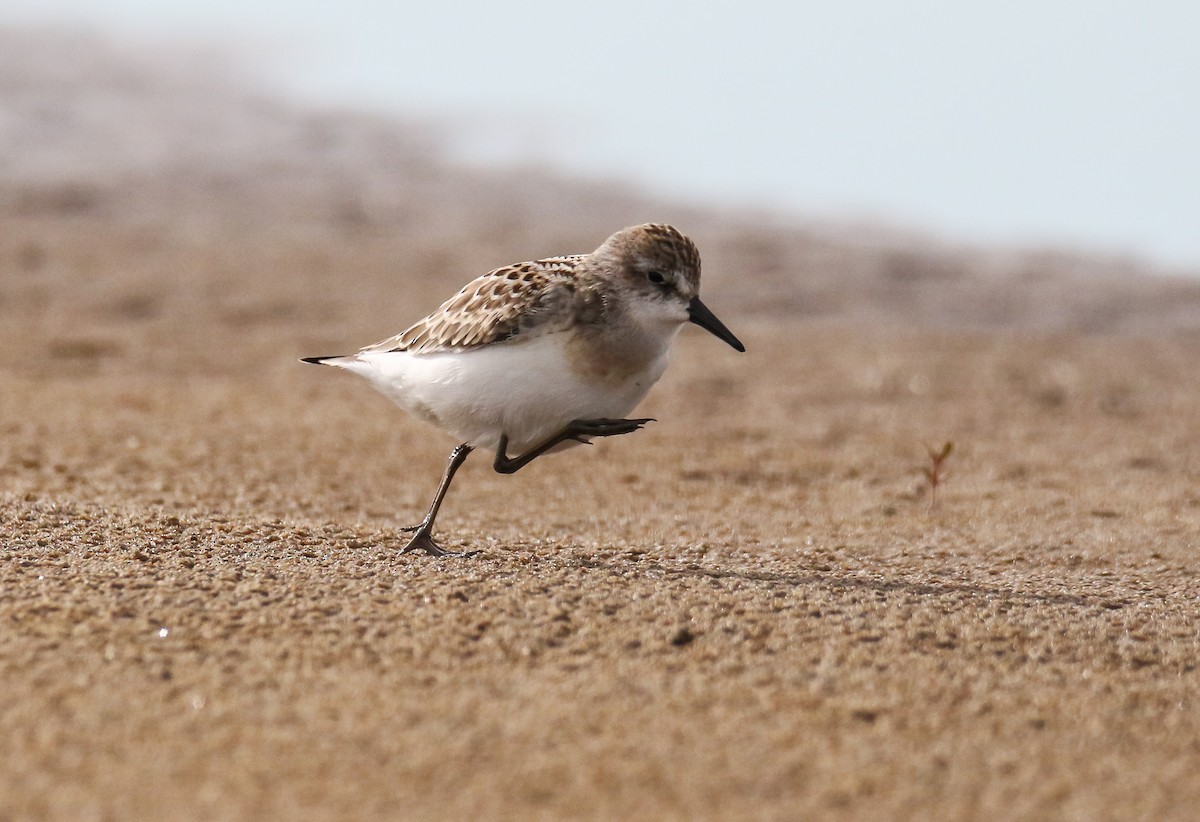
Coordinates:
(295, 176)
(1031, 123)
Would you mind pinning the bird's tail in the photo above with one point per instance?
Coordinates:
(331, 360)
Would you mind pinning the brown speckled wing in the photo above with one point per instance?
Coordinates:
(517, 301)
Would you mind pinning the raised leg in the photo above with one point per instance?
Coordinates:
(576, 430)
(422, 539)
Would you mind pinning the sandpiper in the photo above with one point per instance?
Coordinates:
(542, 355)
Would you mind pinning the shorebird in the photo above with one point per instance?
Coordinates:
(542, 355)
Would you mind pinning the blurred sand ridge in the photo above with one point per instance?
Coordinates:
(233, 208)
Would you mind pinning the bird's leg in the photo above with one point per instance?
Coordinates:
(575, 430)
(422, 539)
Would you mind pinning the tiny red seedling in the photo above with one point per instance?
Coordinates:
(934, 472)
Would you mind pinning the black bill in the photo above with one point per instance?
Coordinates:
(699, 314)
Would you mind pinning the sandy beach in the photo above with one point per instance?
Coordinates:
(751, 609)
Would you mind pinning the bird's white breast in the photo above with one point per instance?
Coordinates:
(528, 390)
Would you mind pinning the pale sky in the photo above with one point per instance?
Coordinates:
(1051, 122)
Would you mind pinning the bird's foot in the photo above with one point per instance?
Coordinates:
(605, 428)
(423, 541)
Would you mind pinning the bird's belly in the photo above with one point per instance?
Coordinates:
(528, 391)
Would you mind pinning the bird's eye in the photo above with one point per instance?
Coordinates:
(656, 277)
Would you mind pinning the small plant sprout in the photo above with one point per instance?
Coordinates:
(935, 471)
